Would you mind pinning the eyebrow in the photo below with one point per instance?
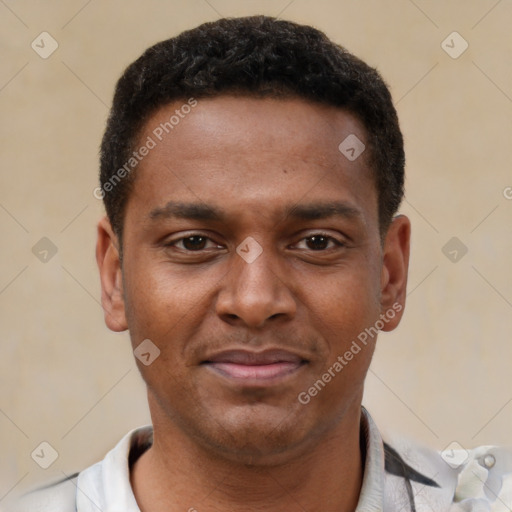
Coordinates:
(323, 210)
(194, 211)
(201, 211)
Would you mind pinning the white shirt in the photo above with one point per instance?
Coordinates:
(417, 479)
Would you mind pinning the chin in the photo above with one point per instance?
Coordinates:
(256, 435)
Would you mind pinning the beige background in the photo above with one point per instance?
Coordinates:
(443, 376)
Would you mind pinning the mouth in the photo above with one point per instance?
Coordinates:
(257, 368)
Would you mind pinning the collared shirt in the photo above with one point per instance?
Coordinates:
(405, 479)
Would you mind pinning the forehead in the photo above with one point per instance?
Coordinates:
(309, 128)
(258, 152)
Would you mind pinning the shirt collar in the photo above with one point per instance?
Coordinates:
(371, 498)
(106, 485)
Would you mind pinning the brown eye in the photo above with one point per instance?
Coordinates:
(194, 243)
(317, 242)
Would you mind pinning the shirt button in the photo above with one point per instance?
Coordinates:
(489, 461)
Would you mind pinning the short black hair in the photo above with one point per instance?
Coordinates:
(252, 56)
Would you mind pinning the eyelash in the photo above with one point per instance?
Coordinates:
(337, 243)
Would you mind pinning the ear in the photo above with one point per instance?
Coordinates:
(395, 265)
(109, 264)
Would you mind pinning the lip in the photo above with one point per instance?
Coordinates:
(264, 367)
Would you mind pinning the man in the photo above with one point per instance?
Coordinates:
(251, 171)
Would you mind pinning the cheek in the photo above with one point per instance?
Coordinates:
(168, 309)
(157, 299)
(344, 310)
(345, 305)
(344, 323)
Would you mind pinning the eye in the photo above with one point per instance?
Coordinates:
(319, 242)
(193, 243)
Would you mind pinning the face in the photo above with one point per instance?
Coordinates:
(252, 260)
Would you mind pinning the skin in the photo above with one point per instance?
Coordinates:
(222, 443)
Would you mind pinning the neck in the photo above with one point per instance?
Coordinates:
(177, 474)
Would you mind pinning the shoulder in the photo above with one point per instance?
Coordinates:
(59, 496)
(101, 486)
(457, 479)
(485, 476)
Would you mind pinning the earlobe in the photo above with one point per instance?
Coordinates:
(109, 265)
(395, 266)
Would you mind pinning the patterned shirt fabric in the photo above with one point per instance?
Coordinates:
(405, 478)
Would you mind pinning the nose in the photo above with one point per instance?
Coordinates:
(255, 293)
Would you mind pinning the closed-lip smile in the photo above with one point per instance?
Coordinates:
(255, 367)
